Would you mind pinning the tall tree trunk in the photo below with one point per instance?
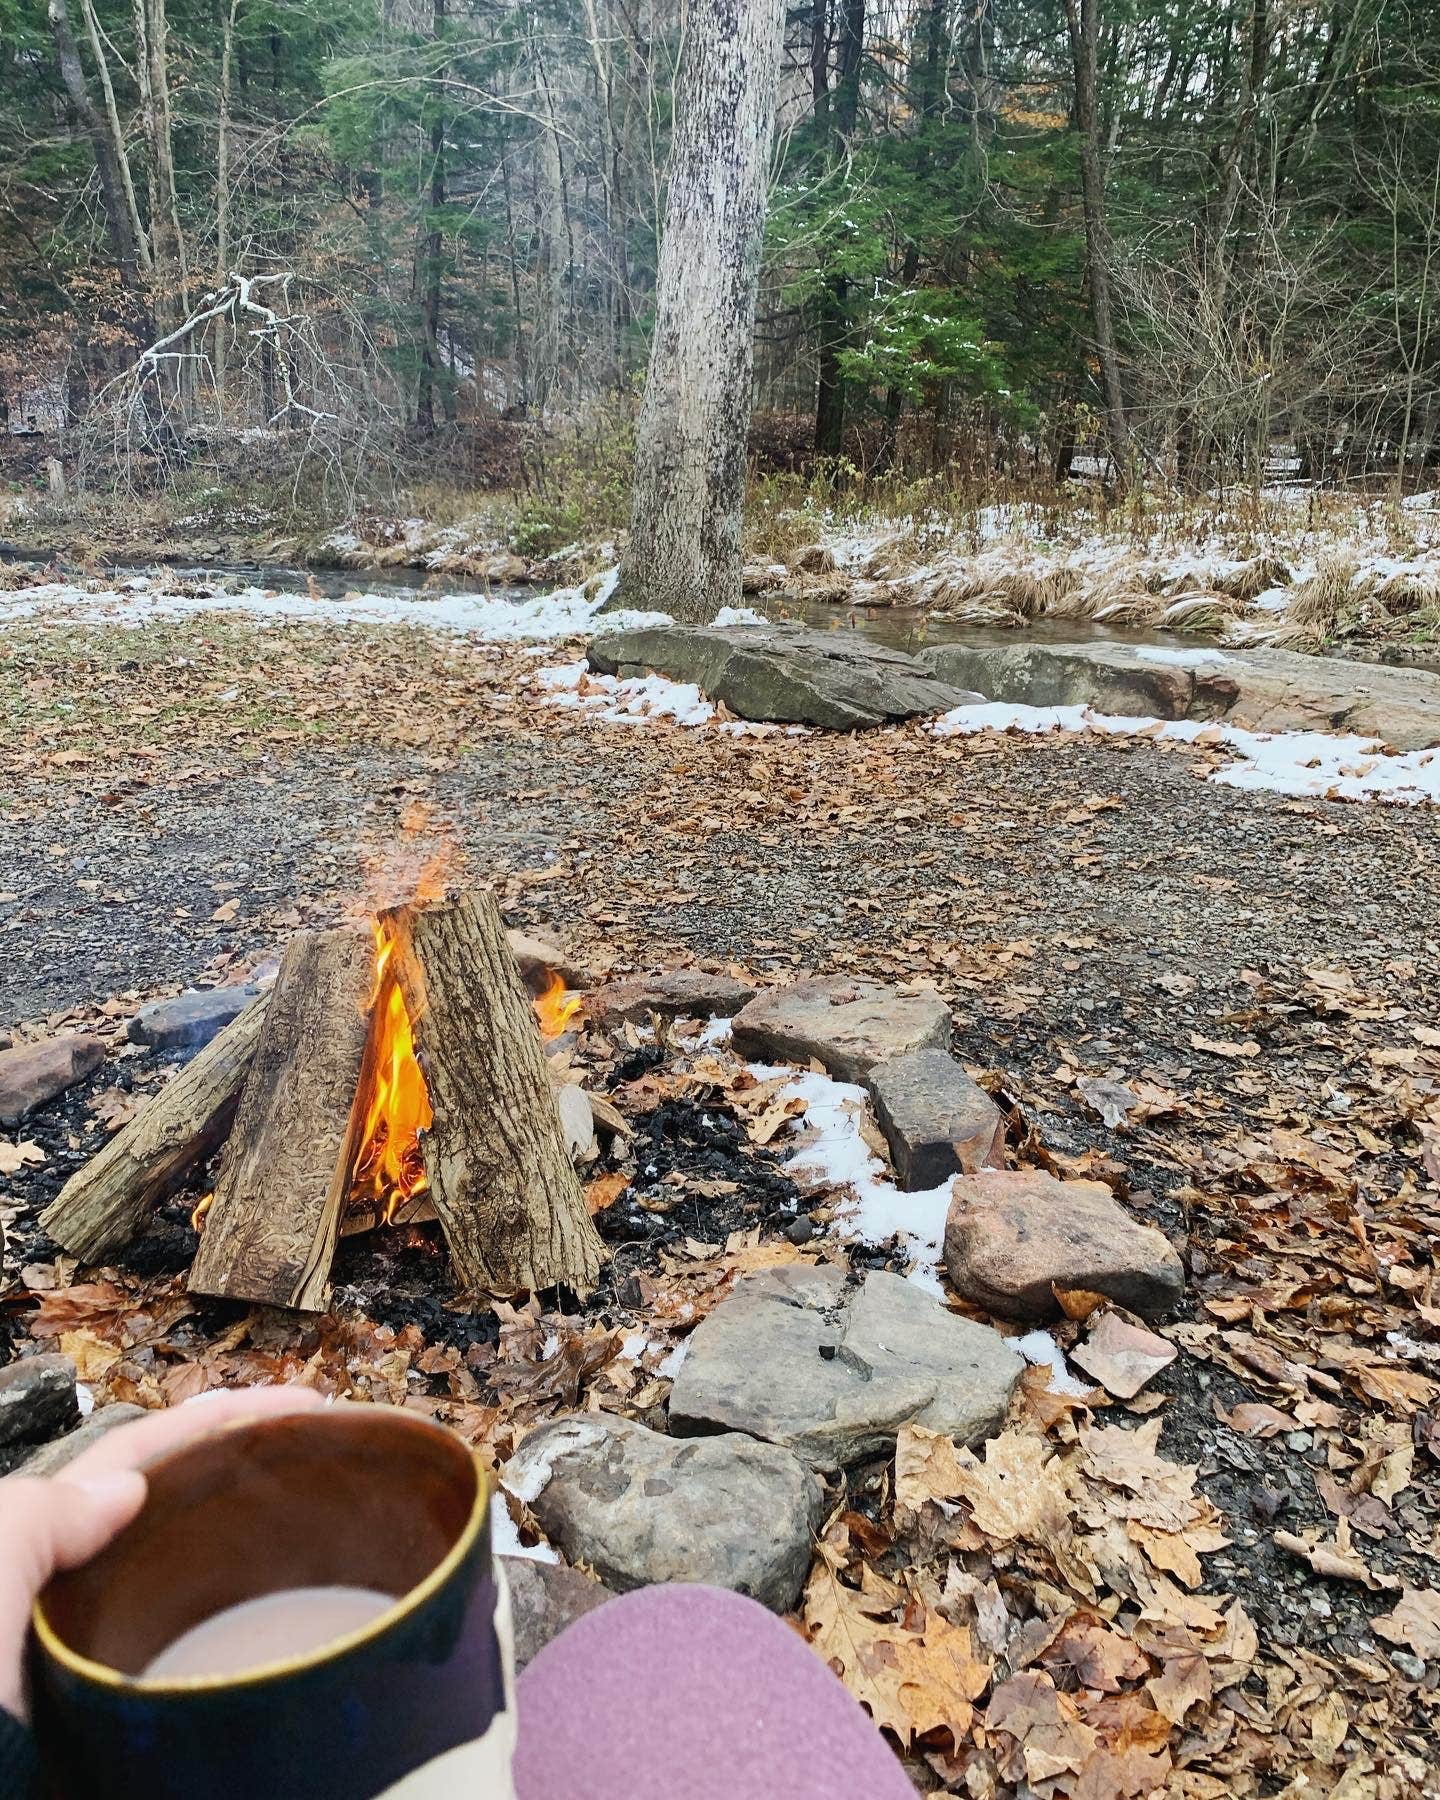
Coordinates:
(832, 322)
(222, 193)
(928, 83)
(152, 68)
(684, 549)
(1083, 17)
(119, 218)
(430, 253)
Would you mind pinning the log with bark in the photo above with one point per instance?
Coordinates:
(102, 1206)
(501, 1178)
(271, 1229)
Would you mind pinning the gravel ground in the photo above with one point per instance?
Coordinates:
(1096, 902)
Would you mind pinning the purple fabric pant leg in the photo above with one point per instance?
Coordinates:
(693, 1693)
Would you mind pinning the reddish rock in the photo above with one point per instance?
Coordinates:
(545, 1597)
(31, 1074)
(1013, 1237)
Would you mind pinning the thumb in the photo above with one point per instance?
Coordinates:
(46, 1526)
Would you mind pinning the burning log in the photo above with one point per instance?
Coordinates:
(102, 1206)
(399, 1080)
(500, 1175)
(270, 1233)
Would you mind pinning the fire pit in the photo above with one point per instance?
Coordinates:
(392, 1076)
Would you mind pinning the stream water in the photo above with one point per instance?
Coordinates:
(901, 628)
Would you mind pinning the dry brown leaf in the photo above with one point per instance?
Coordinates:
(1414, 1621)
(1340, 1560)
(604, 1191)
(14, 1157)
(91, 1354)
(1049, 1737)
(1220, 1047)
(910, 1682)
(1018, 1491)
(1183, 1682)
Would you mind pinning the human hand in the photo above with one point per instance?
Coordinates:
(49, 1523)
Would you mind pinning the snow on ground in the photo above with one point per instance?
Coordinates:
(628, 702)
(835, 1155)
(1297, 763)
(142, 600)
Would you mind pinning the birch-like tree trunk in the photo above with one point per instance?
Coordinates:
(1083, 17)
(684, 550)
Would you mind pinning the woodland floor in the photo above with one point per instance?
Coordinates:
(175, 800)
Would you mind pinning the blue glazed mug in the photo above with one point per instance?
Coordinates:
(416, 1702)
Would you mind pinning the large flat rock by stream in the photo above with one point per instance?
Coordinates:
(786, 674)
(1268, 690)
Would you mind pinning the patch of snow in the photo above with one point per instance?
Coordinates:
(84, 1399)
(543, 618)
(1181, 659)
(1296, 763)
(628, 702)
(1040, 1349)
(505, 1539)
(669, 1366)
(837, 1156)
(739, 615)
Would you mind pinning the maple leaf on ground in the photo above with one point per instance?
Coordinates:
(911, 1682)
(1137, 1482)
(1018, 1491)
(1048, 1736)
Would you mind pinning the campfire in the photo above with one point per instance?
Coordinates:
(394, 1075)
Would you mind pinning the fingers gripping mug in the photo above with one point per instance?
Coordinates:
(306, 1605)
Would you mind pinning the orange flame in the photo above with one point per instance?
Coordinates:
(197, 1218)
(390, 1168)
(556, 1007)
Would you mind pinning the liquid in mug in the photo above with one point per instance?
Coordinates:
(275, 1628)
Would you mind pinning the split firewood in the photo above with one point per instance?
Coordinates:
(500, 1175)
(270, 1232)
(102, 1206)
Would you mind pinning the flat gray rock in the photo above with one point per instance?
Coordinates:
(839, 680)
(1014, 1236)
(639, 1507)
(541, 961)
(188, 1021)
(51, 1458)
(1267, 690)
(37, 1399)
(832, 1369)
(31, 1074)
(682, 994)
(936, 1120)
(846, 1024)
(545, 1597)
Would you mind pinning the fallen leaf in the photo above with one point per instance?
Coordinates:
(1415, 1621)
(1122, 1357)
(14, 1157)
(1219, 1047)
(1340, 1561)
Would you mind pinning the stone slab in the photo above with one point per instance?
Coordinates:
(936, 1120)
(831, 1368)
(1266, 690)
(188, 1021)
(31, 1074)
(1013, 1237)
(639, 1507)
(845, 1024)
(681, 994)
(786, 674)
(37, 1399)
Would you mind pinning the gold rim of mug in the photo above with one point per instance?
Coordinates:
(408, 1602)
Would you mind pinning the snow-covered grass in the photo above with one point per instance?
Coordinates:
(141, 600)
(1296, 763)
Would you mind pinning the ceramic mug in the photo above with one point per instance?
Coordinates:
(418, 1702)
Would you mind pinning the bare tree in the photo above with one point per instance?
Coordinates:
(684, 549)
